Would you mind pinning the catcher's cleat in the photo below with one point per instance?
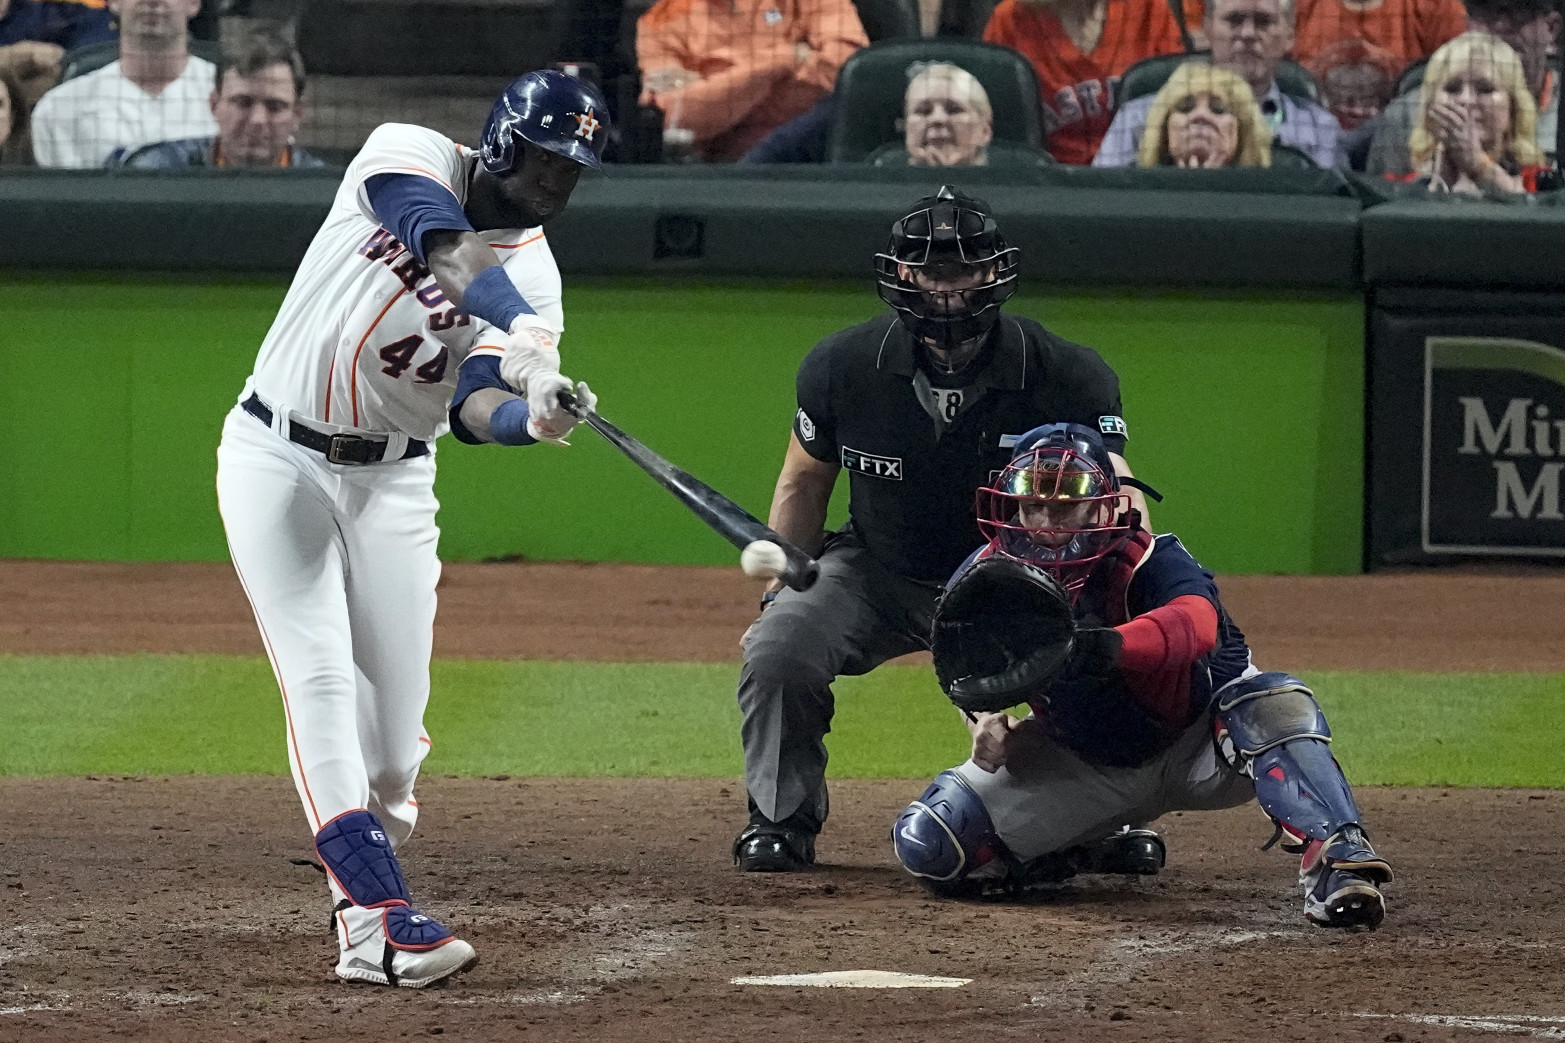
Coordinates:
(398, 946)
(1341, 878)
(1130, 852)
(766, 847)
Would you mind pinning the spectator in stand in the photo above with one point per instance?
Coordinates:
(731, 71)
(15, 147)
(1477, 122)
(258, 103)
(1529, 27)
(1356, 81)
(1409, 30)
(947, 120)
(1205, 117)
(1079, 49)
(35, 34)
(157, 91)
(1249, 37)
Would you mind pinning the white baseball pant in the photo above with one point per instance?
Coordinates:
(339, 563)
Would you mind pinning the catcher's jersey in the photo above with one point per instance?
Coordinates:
(365, 340)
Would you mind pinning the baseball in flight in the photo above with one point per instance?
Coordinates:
(763, 559)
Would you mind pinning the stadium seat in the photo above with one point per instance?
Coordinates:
(95, 56)
(888, 19)
(1287, 157)
(873, 81)
(1148, 76)
(965, 17)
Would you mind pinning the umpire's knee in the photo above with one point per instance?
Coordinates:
(784, 649)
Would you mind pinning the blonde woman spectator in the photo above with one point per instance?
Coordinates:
(1250, 37)
(1205, 117)
(1477, 122)
(729, 72)
(949, 122)
(1528, 27)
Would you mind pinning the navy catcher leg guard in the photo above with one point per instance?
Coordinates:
(946, 835)
(1270, 726)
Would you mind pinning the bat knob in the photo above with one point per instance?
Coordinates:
(570, 405)
(803, 578)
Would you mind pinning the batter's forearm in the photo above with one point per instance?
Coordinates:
(456, 259)
(478, 409)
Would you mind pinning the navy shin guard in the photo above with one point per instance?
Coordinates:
(359, 858)
(356, 852)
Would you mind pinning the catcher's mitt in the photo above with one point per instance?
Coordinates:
(1002, 631)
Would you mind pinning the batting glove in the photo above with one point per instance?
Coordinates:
(532, 350)
(554, 427)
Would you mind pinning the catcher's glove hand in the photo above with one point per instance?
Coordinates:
(1002, 632)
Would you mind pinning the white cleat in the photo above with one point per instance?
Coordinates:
(371, 958)
(409, 970)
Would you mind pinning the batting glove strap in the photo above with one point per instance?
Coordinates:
(767, 599)
(412, 931)
(357, 854)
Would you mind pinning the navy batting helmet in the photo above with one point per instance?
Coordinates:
(551, 110)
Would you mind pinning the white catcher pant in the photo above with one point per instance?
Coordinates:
(1047, 798)
(339, 564)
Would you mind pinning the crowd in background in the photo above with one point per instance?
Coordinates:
(1452, 96)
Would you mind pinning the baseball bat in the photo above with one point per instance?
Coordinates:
(722, 515)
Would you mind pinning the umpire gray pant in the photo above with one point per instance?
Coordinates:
(855, 617)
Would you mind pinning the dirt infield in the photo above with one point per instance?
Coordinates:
(168, 909)
(1405, 621)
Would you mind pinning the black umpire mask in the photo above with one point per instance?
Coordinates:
(946, 271)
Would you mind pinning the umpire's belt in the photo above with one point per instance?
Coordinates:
(339, 449)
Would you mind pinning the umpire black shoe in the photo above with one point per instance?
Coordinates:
(766, 847)
(1130, 852)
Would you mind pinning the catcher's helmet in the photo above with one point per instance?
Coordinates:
(946, 235)
(549, 109)
(1057, 504)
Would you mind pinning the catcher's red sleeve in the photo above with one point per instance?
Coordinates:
(1159, 649)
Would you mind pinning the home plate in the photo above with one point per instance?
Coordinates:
(857, 980)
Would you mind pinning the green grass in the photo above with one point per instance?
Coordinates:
(220, 714)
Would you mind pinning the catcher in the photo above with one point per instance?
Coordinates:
(1143, 699)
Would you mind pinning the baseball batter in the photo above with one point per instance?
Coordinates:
(1150, 704)
(428, 299)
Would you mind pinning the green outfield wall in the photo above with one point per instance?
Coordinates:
(1245, 409)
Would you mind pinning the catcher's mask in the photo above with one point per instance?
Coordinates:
(1057, 504)
(946, 270)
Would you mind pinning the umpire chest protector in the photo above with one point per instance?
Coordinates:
(915, 452)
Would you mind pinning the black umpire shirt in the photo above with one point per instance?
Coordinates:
(916, 451)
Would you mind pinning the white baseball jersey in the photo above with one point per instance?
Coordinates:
(365, 340)
(81, 122)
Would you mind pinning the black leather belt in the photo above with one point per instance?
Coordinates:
(339, 449)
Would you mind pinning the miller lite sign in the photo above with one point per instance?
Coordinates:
(1494, 447)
